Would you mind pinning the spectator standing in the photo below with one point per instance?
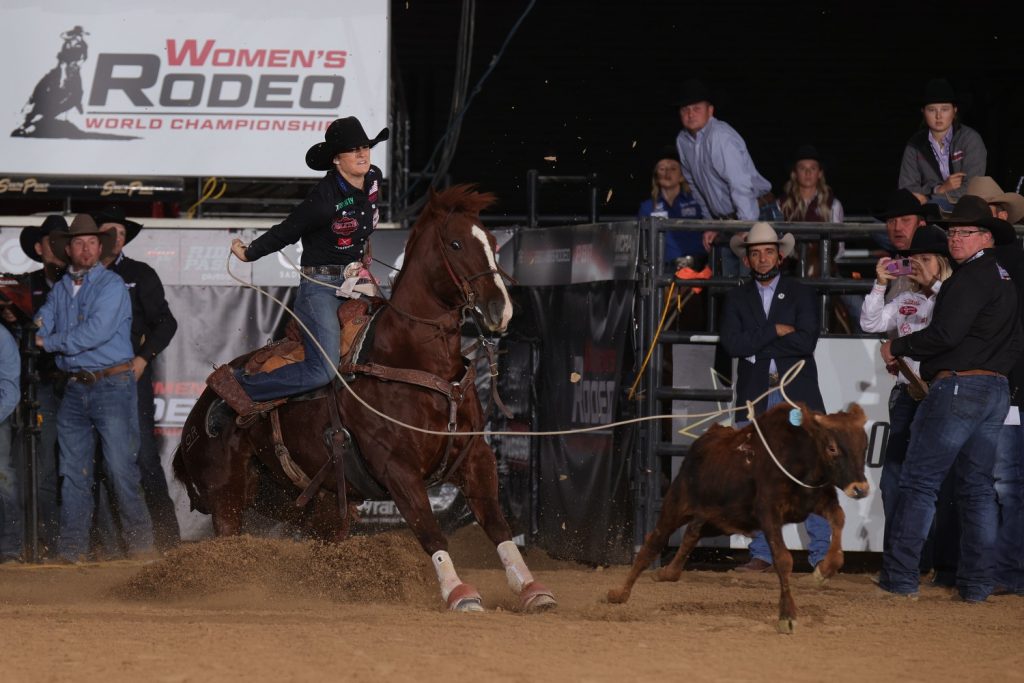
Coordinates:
(11, 527)
(87, 322)
(153, 327)
(770, 324)
(973, 341)
(940, 159)
(671, 198)
(908, 312)
(35, 242)
(807, 196)
(718, 167)
(903, 215)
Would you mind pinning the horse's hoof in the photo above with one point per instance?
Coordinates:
(617, 596)
(535, 597)
(667, 574)
(786, 626)
(464, 598)
(819, 578)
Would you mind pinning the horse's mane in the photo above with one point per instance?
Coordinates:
(461, 199)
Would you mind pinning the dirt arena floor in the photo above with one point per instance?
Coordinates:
(258, 610)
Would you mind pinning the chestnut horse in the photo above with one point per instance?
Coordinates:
(449, 272)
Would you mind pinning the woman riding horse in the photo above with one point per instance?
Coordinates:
(334, 223)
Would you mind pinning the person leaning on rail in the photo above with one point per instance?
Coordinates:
(87, 323)
(973, 341)
(770, 324)
(671, 198)
(334, 223)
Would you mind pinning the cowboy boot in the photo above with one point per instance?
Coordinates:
(225, 384)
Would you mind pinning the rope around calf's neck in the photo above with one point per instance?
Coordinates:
(786, 378)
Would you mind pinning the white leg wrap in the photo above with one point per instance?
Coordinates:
(515, 569)
(446, 575)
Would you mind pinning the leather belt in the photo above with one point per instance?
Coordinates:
(323, 270)
(943, 374)
(92, 376)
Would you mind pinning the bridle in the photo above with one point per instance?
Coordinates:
(464, 283)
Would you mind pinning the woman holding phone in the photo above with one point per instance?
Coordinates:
(926, 263)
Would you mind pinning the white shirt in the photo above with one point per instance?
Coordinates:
(907, 312)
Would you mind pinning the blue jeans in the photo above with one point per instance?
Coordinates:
(901, 414)
(956, 425)
(818, 529)
(1009, 483)
(317, 307)
(11, 526)
(108, 409)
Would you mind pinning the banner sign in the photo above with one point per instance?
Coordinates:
(186, 88)
(99, 188)
(576, 254)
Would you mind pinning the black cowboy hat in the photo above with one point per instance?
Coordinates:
(807, 152)
(938, 91)
(928, 239)
(81, 226)
(974, 211)
(904, 203)
(342, 136)
(693, 91)
(115, 214)
(32, 234)
(667, 152)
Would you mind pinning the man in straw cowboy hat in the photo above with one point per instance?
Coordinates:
(86, 322)
(966, 352)
(770, 324)
(1009, 206)
(334, 223)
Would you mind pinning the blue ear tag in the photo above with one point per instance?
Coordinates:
(796, 417)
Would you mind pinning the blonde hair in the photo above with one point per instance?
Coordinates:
(684, 187)
(794, 207)
(945, 270)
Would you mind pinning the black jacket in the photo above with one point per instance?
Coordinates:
(745, 331)
(976, 324)
(334, 222)
(153, 325)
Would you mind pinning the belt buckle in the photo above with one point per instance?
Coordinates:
(773, 379)
(86, 377)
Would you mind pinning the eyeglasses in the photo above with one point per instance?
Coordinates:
(954, 232)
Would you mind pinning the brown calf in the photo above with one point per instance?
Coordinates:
(729, 484)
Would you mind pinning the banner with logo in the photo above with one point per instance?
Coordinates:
(188, 87)
(585, 510)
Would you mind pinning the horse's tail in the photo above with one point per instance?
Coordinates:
(181, 474)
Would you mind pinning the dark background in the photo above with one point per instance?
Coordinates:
(593, 85)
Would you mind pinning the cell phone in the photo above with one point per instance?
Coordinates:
(899, 266)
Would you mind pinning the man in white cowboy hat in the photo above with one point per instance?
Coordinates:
(769, 325)
(1007, 206)
(86, 322)
(153, 327)
(334, 223)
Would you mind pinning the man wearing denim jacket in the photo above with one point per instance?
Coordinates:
(87, 322)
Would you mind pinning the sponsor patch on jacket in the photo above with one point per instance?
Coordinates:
(907, 309)
(1003, 275)
(372, 194)
(957, 155)
(376, 218)
(345, 225)
(344, 202)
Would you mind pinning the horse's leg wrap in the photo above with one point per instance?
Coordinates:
(458, 596)
(533, 595)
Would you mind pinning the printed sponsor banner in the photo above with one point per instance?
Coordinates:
(186, 88)
(576, 254)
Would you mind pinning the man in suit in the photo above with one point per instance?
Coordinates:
(770, 324)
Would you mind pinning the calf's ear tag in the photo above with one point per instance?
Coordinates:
(796, 417)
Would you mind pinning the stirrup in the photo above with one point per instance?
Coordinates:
(225, 384)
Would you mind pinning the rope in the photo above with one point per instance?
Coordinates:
(210, 191)
(785, 379)
(654, 342)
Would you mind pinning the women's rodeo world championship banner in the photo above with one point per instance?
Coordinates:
(185, 88)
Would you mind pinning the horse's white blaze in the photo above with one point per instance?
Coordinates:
(506, 313)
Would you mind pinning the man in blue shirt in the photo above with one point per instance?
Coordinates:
(87, 322)
(717, 165)
(10, 504)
